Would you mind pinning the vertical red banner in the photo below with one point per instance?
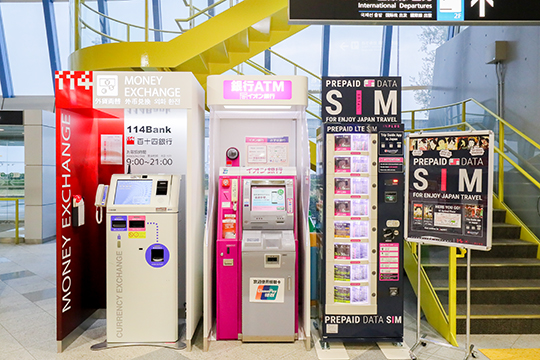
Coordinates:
(358, 102)
(443, 179)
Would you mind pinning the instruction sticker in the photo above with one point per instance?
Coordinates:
(272, 150)
(267, 290)
(111, 149)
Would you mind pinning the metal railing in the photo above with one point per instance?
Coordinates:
(16, 215)
(456, 116)
(84, 16)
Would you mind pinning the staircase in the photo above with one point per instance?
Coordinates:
(505, 283)
(213, 47)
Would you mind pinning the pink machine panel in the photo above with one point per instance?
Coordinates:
(229, 256)
(228, 270)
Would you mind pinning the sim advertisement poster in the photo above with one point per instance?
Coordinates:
(449, 189)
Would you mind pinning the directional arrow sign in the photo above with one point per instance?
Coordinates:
(482, 5)
(415, 12)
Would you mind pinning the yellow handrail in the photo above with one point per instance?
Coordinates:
(16, 216)
(295, 65)
(528, 235)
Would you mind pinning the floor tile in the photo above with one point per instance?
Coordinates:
(47, 304)
(9, 267)
(16, 275)
(13, 308)
(140, 352)
(21, 354)
(41, 294)
(28, 284)
(489, 341)
(47, 350)
(8, 343)
(21, 323)
(33, 334)
(527, 342)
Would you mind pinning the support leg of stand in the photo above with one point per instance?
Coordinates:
(179, 345)
(418, 303)
(470, 347)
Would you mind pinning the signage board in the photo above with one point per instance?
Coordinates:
(367, 100)
(425, 12)
(449, 189)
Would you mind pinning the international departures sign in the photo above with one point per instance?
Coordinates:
(418, 12)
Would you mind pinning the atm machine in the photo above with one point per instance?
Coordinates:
(257, 236)
(142, 260)
(256, 250)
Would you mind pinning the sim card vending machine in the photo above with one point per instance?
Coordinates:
(362, 257)
(142, 259)
(256, 267)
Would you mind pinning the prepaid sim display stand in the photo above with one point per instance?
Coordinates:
(449, 203)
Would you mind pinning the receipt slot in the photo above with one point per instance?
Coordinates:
(142, 259)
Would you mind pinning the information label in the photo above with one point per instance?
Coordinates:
(389, 262)
(111, 149)
(273, 150)
(151, 139)
(267, 290)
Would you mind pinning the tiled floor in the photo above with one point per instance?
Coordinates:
(27, 324)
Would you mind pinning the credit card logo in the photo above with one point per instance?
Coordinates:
(267, 292)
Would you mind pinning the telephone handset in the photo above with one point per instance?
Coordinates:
(101, 201)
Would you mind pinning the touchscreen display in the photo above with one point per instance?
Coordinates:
(133, 192)
(268, 198)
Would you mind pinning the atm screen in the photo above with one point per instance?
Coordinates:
(268, 198)
(133, 192)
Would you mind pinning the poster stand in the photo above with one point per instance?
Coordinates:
(422, 339)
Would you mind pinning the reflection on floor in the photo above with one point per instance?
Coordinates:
(28, 311)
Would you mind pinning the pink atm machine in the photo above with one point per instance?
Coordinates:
(257, 241)
(256, 255)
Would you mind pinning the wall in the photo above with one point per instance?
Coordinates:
(461, 72)
(40, 177)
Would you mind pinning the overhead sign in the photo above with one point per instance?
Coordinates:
(419, 12)
(367, 100)
(449, 189)
(150, 90)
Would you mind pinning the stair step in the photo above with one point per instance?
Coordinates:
(487, 268)
(506, 231)
(497, 284)
(499, 215)
(505, 248)
(501, 248)
(495, 292)
(500, 311)
(509, 325)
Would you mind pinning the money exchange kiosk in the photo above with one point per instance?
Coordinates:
(142, 259)
(362, 257)
(257, 246)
